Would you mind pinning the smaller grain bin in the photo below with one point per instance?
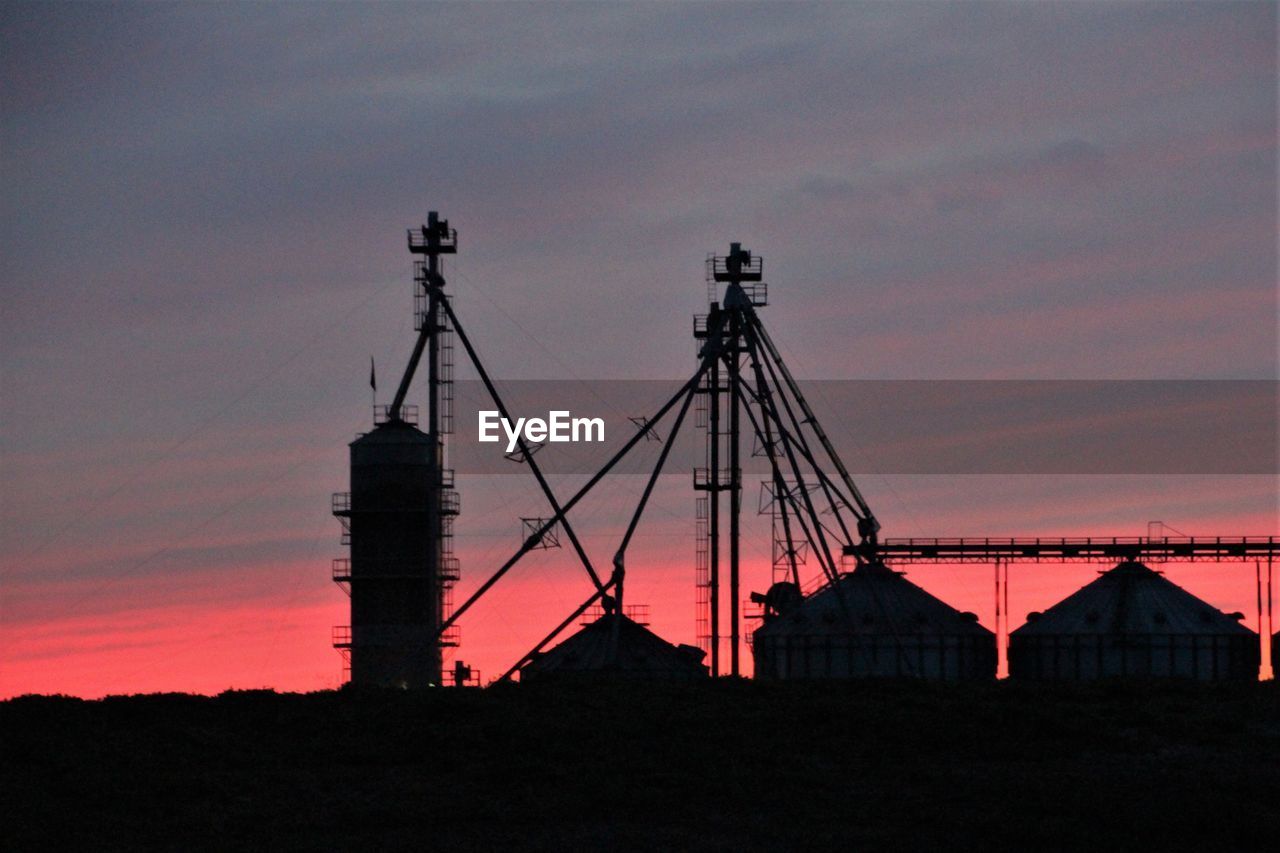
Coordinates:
(616, 647)
(1132, 621)
(872, 623)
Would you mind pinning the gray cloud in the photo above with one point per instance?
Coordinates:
(203, 207)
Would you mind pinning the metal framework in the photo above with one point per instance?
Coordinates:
(1081, 549)
(739, 371)
(435, 340)
(436, 319)
(816, 511)
(814, 506)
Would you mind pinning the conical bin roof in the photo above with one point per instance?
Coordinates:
(639, 653)
(873, 599)
(1132, 599)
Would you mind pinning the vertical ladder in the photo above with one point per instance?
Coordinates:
(446, 374)
(702, 575)
(450, 570)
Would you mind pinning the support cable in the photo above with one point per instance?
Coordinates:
(765, 399)
(816, 535)
(535, 537)
(528, 457)
(833, 571)
(834, 498)
(827, 486)
(868, 526)
(619, 559)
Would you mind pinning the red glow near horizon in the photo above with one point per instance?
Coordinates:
(190, 646)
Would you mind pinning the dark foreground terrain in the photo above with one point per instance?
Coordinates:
(725, 766)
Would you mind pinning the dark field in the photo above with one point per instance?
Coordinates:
(725, 766)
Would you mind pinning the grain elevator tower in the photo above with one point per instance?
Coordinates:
(398, 516)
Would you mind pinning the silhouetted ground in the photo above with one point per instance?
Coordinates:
(726, 766)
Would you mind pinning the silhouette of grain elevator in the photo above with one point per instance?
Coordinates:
(398, 516)
(834, 608)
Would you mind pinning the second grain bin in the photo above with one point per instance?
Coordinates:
(1132, 621)
(615, 647)
(872, 623)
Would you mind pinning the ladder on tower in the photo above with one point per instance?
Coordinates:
(702, 575)
(450, 569)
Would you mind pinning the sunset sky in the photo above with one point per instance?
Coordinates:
(203, 245)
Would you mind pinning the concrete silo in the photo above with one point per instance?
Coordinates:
(617, 647)
(873, 624)
(1132, 621)
(396, 536)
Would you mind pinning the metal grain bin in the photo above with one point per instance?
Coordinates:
(874, 623)
(1132, 621)
(616, 647)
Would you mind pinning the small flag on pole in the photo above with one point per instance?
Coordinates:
(373, 376)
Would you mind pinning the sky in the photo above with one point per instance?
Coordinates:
(203, 246)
